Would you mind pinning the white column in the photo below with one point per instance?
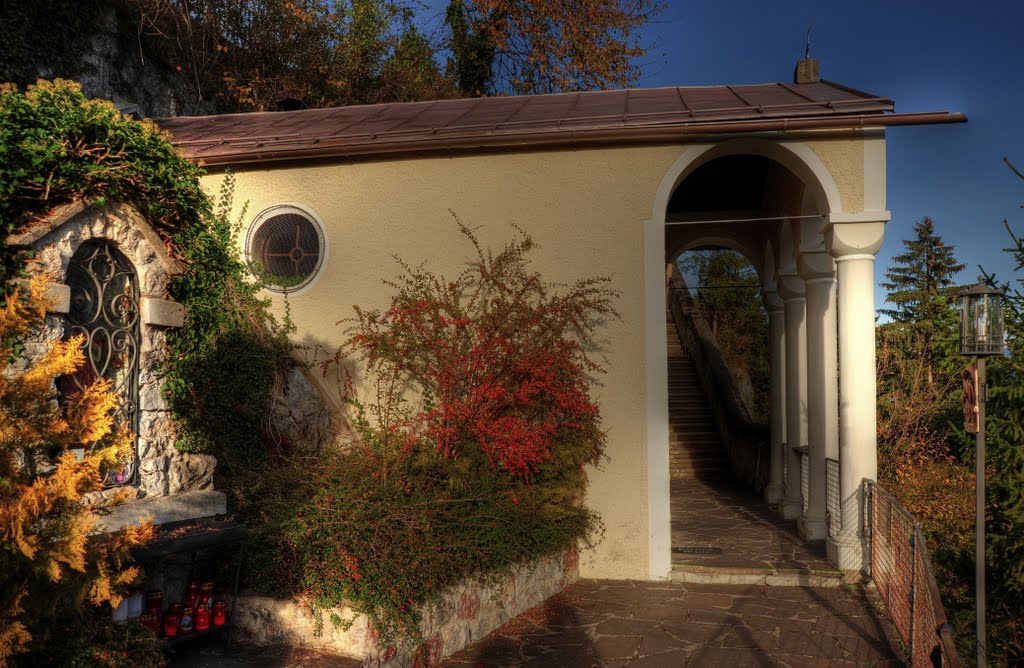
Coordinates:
(773, 493)
(791, 288)
(854, 245)
(818, 272)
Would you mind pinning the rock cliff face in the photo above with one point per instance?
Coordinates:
(116, 70)
(114, 66)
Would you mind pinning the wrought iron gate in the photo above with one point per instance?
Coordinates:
(105, 311)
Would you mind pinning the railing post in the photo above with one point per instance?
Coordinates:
(869, 525)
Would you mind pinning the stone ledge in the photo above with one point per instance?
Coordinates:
(58, 293)
(162, 312)
(165, 509)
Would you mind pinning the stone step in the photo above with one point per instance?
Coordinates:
(711, 466)
(705, 454)
(682, 572)
(699, 451)
(713, 476)
(689, 472)
(690, 433)
(696, 447)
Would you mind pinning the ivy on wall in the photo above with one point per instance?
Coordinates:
(57, 146)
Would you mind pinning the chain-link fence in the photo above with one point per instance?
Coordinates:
(804, 476)
(902, 571)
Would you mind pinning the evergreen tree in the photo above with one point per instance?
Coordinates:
(1005, 466)
(51, 559)
(921, 292)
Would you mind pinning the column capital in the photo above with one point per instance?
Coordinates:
(816, 266)
(854, 239)
(791, 287)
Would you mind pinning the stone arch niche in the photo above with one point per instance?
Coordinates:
(163, 474)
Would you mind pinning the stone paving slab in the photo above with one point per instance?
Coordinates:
(213, 652)
(740, 524)
(613, 624)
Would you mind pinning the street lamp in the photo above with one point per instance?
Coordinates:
(981, 336)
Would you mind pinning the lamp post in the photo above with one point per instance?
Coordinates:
(981, 336)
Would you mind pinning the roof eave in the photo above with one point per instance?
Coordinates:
(558, 138)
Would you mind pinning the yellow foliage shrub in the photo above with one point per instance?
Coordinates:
(51, 558)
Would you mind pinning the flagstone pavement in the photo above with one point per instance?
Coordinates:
(649, 624)
(612, 624)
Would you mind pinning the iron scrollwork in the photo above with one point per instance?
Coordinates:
(105, 312)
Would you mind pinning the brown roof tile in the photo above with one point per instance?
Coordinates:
(617, 116)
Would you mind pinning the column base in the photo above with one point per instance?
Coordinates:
(811, 527)
(791, 510)
(773, 494)
(848, 552)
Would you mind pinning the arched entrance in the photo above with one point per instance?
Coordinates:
(777, 204)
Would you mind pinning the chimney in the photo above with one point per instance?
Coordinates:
(806, 71)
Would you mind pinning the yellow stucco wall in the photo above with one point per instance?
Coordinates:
(585, 208)
(845, 162)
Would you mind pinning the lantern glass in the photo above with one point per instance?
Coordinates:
(981, 322)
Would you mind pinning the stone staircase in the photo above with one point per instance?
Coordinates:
(695, 450)
(723, 533)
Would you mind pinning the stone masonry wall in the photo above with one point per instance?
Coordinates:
(461, 615)
(163, 470)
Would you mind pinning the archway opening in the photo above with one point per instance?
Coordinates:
(725, 221)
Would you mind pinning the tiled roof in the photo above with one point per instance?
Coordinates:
(617, 116)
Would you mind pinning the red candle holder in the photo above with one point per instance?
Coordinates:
(171, 623)
(206, 594)
(220, 616)
(202, 617)
(192, 597)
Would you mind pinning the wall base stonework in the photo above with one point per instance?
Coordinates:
(462, 614)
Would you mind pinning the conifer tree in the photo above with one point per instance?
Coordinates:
(51, 559)
(921, 292)
(1005, 465)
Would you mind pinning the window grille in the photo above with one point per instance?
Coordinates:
(105, 312)
(285, 248)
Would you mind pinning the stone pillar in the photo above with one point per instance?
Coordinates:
(854, 245)
(774, 492)
(791, 288)
(818, 272)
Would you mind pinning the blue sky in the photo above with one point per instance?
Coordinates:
(927, 56)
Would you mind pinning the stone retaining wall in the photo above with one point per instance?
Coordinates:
(462, 614)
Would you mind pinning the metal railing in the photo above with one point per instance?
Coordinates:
(805, 476)
(833, 505)
(785, 472)
(902, 572)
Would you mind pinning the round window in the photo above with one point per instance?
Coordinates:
(285, 247)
